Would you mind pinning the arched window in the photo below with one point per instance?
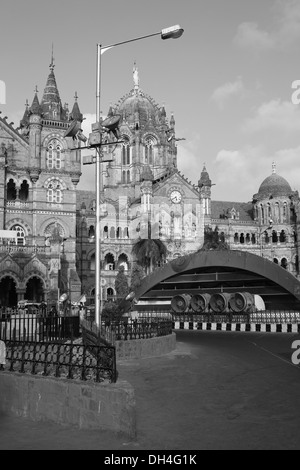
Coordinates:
(123, 261)
(105, 231)
(54, 154)
(128, 176)
(282, 236)
(275, 260)
(284, 263)
(262, 212)
(92, 231)
(24, 191)
(109, 262)
(126, 152)
(92, 263)
(149, 150)
(236, 238)
(242, 238)
(110, 293)
(54, 192)
(11, 190)
(276, 212)
(248, 238)
(123, 176)
(20, 234)
(284, 212)
(274, 236)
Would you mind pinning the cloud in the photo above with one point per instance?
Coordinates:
(250, 36)
(229, 89)
(274, 115)
(285, 15)
(236, 173)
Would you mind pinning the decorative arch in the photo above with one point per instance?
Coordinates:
(17, 221)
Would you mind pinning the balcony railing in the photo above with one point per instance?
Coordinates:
(29, 249)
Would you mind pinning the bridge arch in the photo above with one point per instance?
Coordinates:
(221, 271)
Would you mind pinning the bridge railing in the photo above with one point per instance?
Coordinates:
(266, 316)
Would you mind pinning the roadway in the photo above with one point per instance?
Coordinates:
(217, 390)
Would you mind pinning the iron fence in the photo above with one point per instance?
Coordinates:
(128, 329)
(71, 361)
(36, 327)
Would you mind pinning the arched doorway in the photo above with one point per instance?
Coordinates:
(34, 290)
(8, 293)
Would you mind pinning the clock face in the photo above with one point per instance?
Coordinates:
(175, 197)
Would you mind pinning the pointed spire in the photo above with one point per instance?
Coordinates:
(51, 104)
(204, 178)
(76, 115)
(35, 107)
(51, 66)
(25, 120)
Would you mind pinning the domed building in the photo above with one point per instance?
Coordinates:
(143, 180)
(52, 224)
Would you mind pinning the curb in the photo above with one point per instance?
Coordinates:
(255, 327)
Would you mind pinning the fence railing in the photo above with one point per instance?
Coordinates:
(35, 327)
(95, 363)
(129, 329)
(267, 316)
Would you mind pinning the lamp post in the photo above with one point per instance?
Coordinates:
(167, 33)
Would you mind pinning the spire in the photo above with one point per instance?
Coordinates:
(35, 107)
(25, 120)
(204, 178)
(51, 103)
(273, 168)
(76, 115)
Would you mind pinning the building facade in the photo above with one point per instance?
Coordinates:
(39, 171)
(143, 183)
(142, 187)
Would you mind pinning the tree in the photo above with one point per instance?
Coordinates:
(213, 241)
(149, 252)
(121, 283)
(137, 274)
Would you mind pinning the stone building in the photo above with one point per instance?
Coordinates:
(143, 181)
(39, 172)
(54, 222)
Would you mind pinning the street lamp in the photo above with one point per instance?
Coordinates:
(167, 33)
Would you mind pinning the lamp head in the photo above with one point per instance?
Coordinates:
(173, 32)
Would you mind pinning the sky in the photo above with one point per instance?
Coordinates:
(228, 79)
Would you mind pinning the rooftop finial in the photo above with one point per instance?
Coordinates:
(52, 59)
(274, 167)
(76, 96)
(36, 89)
(135, 77)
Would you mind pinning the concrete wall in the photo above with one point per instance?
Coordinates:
(133, 349)
(63, 401)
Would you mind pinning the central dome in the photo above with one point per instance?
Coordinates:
(136, 106)
(274, 185)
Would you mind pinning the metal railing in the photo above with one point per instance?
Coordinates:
(38, 328)
(129, 329)
(70, 361)
(267, 316)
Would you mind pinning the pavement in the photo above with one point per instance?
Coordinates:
(216, 391)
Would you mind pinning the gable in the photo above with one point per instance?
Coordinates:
(175, 181)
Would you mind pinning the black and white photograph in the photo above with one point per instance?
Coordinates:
(150, 227)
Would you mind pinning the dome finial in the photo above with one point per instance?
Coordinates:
(273, 168)
(135, 77)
